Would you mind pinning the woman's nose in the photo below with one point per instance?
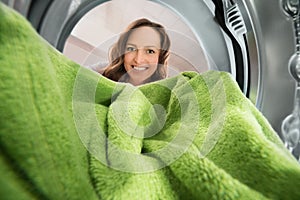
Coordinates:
(139, 57)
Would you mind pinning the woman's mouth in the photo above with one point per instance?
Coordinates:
(139, 68)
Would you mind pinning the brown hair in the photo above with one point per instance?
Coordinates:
(116, 70)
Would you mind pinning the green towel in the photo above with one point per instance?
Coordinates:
(69, 133)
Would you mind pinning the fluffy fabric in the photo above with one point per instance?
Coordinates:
(69, 133)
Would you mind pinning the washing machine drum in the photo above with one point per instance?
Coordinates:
(225, 46)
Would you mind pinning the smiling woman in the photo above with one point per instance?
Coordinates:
(140, 55)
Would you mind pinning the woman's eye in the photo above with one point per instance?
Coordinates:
(130, 49)
(150, 51)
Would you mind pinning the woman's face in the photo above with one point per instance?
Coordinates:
(141, 54)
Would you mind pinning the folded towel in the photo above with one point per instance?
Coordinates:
(69, 133)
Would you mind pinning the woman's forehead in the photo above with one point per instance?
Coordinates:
(144, 37)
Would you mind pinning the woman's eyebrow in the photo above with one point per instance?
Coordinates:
(147, 46)
(130, 44)
(151, 46)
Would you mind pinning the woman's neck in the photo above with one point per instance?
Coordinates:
(135, 83)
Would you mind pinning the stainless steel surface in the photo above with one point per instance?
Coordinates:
(236, 25)
(290, 127)
(290, 7)
(53, 23)
(199, 16)
(21, 6)
(275, 43)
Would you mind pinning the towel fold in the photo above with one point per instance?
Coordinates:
(69, 133)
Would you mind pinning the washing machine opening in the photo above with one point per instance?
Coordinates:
(99, 28)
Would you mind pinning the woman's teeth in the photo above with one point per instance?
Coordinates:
(139, 68)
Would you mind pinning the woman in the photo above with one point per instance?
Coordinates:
(140, 55)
